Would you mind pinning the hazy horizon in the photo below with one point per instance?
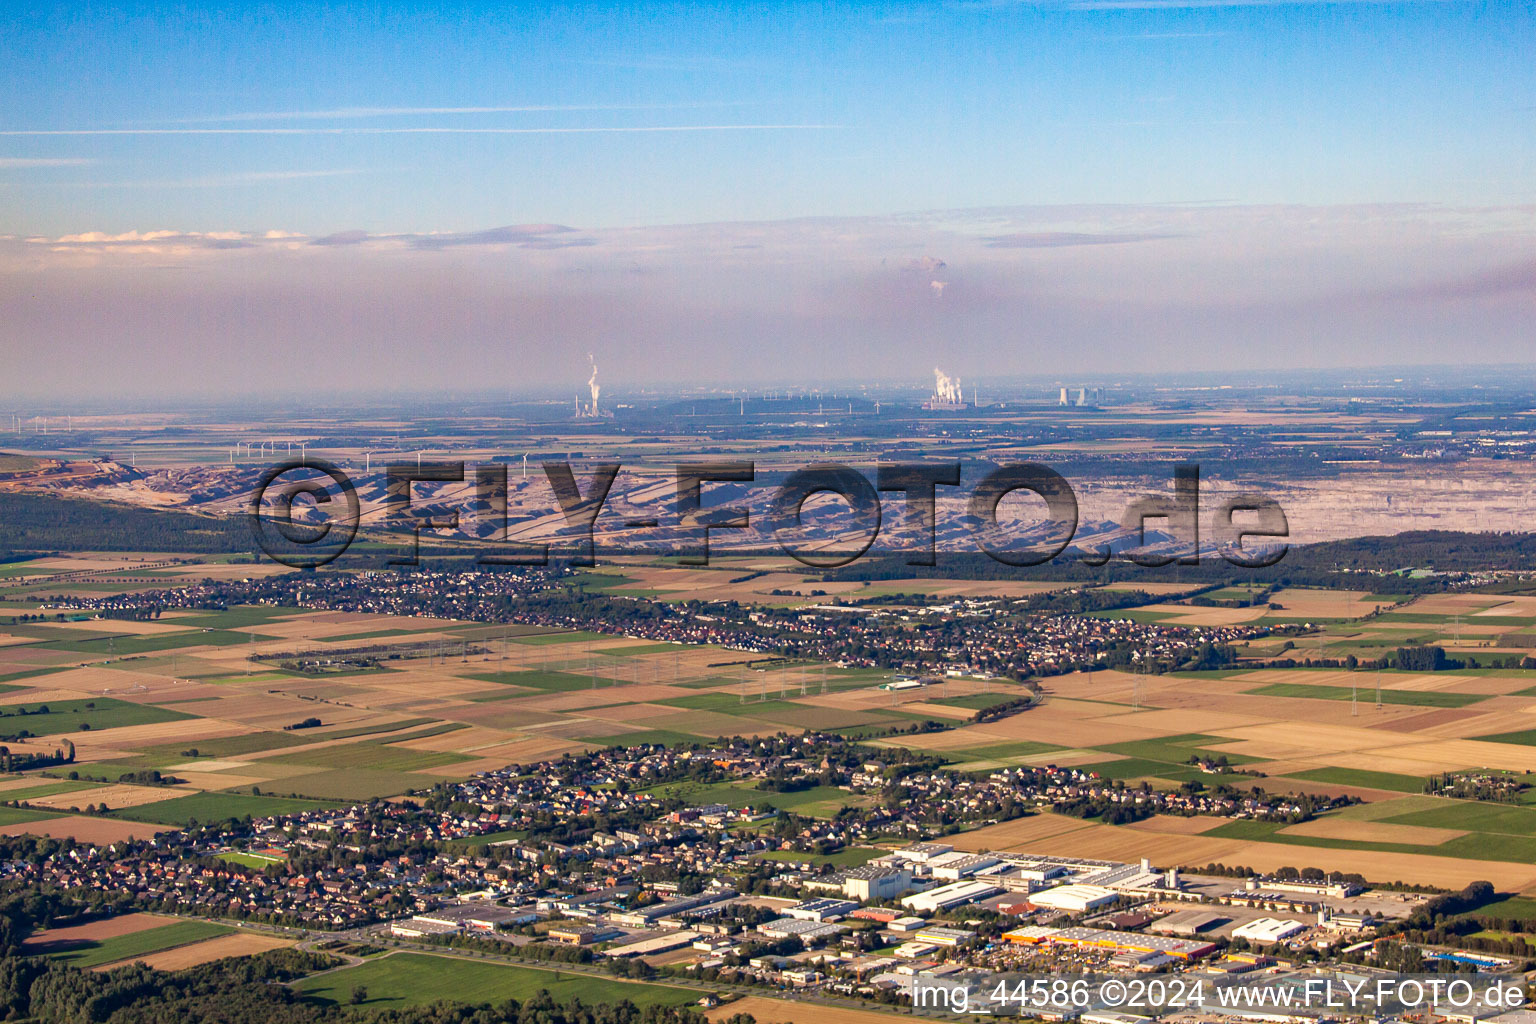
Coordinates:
(359, 197)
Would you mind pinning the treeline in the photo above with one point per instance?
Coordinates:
(44, 523)
(1346, 564)
(235, 990)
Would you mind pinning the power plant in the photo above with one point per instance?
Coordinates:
(947, 395)
(591, 411)
(1085, 398)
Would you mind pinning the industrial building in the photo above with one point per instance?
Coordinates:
(957, 894)
(1267, 930)
(955, 866)
(872, 883)
(480, 917)
(806, 931)
(1111, 941)
(1074, 898)
(821, 910)
(945, 936)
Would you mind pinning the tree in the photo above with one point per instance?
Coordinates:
(359, 995)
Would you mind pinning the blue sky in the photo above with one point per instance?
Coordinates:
(885, 109)
(142, 138)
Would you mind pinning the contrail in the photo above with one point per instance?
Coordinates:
(12, 132)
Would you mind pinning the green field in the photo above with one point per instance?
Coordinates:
(578, 636)
(63, 716)
(351, 784)
(210, 807)
(46, 789)
(414, 979)
(249, 860)
(31, 673)
(818, 801)
(94, 953)
(234, 746)
(118, 645)
(551, 681)
(1510, 908)
(665, 737)
(1360, 777)
(1524, 738)
(241, 616)
(1367, 694)
(23, 815)
(368, 754)
(1474, 816)
(851, 857)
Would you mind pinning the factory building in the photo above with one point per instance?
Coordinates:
(872, 883)
(1111, 941)
(957, 894)
(1267, 930)
(1074, 899)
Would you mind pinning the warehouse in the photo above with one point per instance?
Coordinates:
(806, 931)
(1074, 898)
(1268, 929)
(1114, 942)
(821, 910)
(945, 936)
(955, 866)
(1190, 923)
(957, 894)
(870, 883)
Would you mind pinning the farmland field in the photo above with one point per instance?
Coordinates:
(95, 952)
(414, 979)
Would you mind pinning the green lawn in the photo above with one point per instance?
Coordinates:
(851, 857)
(93, 953)
(65, 716)
(249, 860)
(413, 979)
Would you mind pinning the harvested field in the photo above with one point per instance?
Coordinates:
(1109, 842)
(785, 1011)
(99, 831)
(1176, 825)
(113, 796)
(1373, 832)
(182, 957)
(94, 931)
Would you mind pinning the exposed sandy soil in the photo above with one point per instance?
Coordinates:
(786, 1011)
(181, 957)
(83, 829)
(106, 928)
